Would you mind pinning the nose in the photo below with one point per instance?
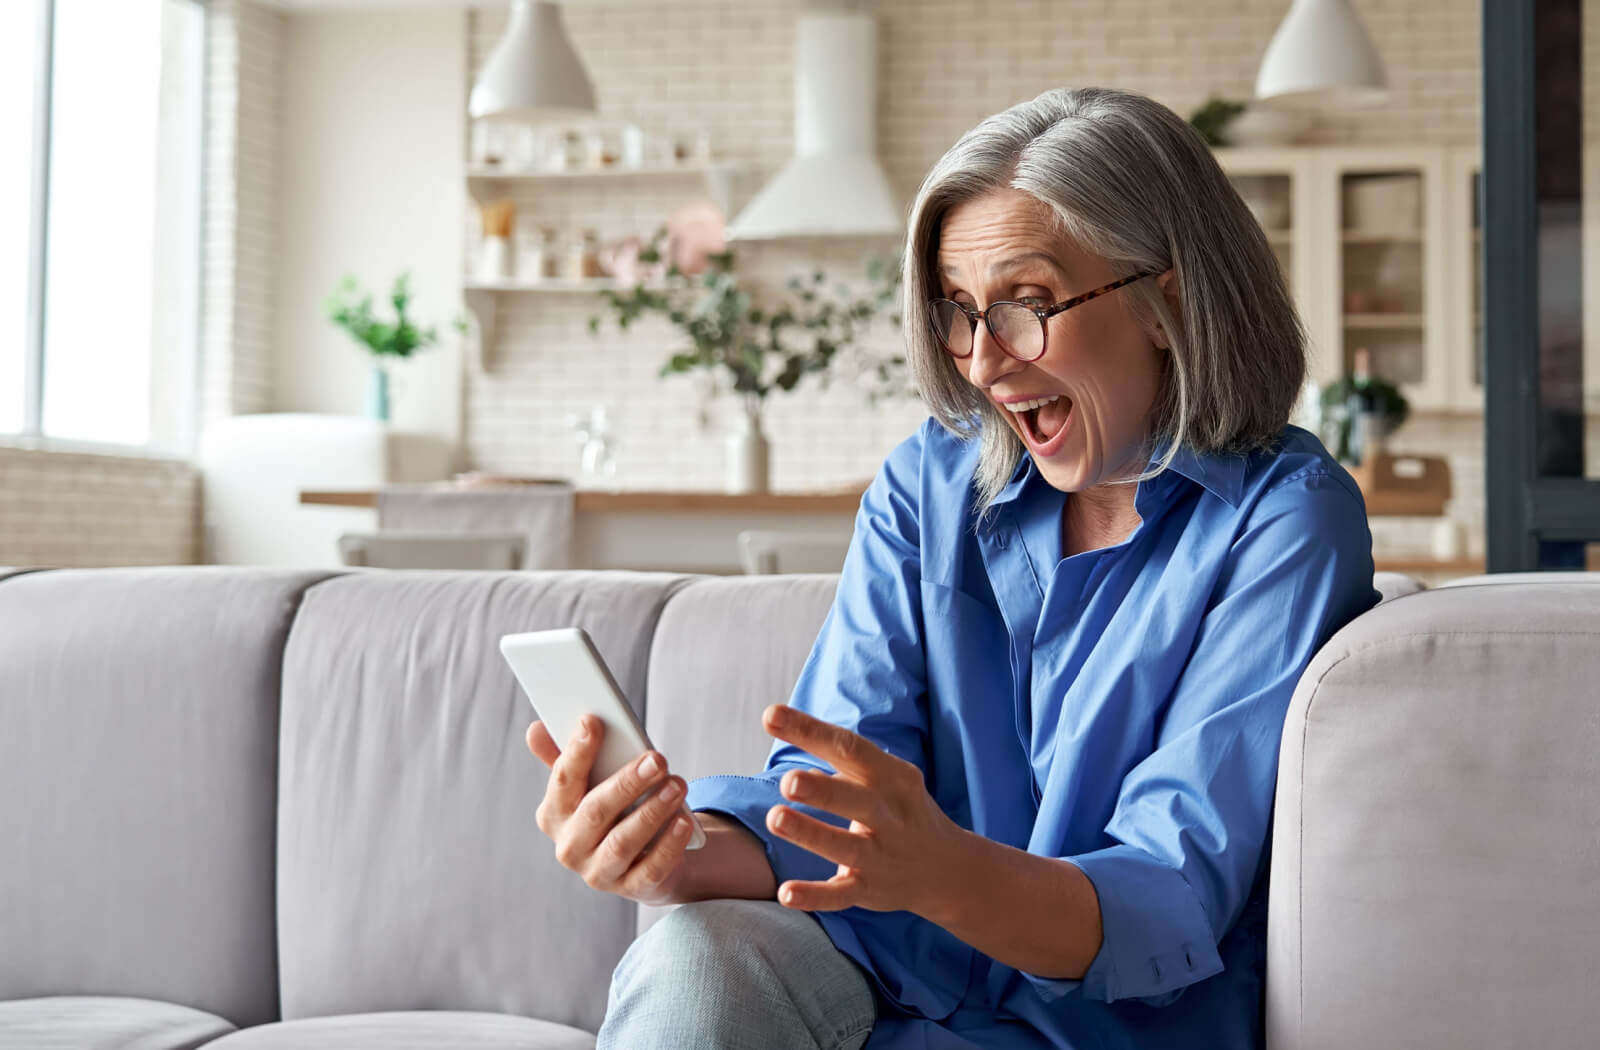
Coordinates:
(989, 364)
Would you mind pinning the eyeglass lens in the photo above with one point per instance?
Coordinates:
(1016, 328)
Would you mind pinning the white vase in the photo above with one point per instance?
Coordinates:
(495, 262)
(747, 451)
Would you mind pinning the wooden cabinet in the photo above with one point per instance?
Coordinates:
(1379, 245)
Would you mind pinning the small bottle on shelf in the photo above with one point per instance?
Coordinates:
(583, 256)
(1363, 409)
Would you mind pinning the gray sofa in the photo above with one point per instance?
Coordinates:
(253, 809)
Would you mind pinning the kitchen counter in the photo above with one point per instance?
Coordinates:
(669, 531)
(839, 501)
(686, 531)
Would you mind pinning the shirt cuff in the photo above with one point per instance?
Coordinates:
(747, 799)
(1155, 937)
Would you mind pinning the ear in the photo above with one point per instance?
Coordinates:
(1168, 283)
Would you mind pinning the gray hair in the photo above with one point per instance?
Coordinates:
(1131, 181)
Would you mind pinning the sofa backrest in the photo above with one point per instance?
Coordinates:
(726, 648)
(138, 784)
(411, 874)
(1436, 858)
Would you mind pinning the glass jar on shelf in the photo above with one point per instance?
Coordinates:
(533, 254)
(583, 257)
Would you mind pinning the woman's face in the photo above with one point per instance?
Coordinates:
(1100, 365)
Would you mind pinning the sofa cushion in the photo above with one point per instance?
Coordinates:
(1393, 585)
(414, 1030)
(724, 650)
(138, 764)
(102, 1022)
(1506, 578)
(411, 872)
(1434, 862)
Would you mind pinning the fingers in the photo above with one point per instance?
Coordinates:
(836, 794)
(601, 807)
(825, 840)
(657, 863)
(623, 845)
(840, 892)
(541, 744)
(847, 752)
(569, 776)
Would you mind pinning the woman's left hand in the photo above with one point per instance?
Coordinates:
(899, 842)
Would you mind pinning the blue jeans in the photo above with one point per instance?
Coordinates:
(737, 975)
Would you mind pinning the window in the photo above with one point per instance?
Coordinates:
(103, 206)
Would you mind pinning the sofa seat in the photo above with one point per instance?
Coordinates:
(106, 1022)
(410, 1030)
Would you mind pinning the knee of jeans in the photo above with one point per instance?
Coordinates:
(681, 948)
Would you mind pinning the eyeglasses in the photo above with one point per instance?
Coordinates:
(1018, 328)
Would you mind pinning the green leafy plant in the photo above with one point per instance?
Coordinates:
(1211, 120)
(756, 347)
(351, 310)
(1386, 399)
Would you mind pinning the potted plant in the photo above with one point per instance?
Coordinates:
(749, 346)
(350, 309)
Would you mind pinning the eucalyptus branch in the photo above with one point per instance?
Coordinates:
(757, 348)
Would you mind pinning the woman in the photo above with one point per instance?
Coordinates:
(1021, 794)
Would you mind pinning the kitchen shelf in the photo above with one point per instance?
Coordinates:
(553, 285)
(1382, 320)
(1379, 237)
(487, 171)
(487, 182)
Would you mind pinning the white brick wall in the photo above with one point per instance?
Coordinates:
(725, 66)
(245, 41)
(77, 510)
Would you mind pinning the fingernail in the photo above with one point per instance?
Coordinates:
(584, 732)
(649, 767)
(680, 826)
(670, 792)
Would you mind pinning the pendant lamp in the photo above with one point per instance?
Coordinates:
(1321, 54)
(533, 73)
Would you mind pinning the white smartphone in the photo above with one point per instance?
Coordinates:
(565, 678)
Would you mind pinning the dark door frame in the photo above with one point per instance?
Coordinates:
(1527, 509)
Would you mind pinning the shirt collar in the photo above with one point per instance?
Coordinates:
(1220, 475)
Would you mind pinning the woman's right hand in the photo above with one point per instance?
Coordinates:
(641, 855)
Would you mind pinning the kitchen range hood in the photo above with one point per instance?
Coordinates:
(834, 185)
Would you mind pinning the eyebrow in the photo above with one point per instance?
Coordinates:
(1015, 262)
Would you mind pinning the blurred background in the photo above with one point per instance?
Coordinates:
(612, 283)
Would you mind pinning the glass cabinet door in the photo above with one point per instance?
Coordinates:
(1387, 245)
(1277, 186)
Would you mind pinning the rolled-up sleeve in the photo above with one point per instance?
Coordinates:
(865, 671)
(1192, 819)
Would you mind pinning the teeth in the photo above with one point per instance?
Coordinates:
(1025, 406)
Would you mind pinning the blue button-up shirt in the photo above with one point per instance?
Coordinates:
(1119, 710)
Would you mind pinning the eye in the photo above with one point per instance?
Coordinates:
(1033, 300)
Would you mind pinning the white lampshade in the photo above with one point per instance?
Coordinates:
(1322, 54)
(533, 73)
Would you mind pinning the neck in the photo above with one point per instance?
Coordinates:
(1098, 517)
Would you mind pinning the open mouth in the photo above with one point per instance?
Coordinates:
(1044, 424)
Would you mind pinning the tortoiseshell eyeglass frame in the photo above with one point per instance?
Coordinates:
(1043, 313)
